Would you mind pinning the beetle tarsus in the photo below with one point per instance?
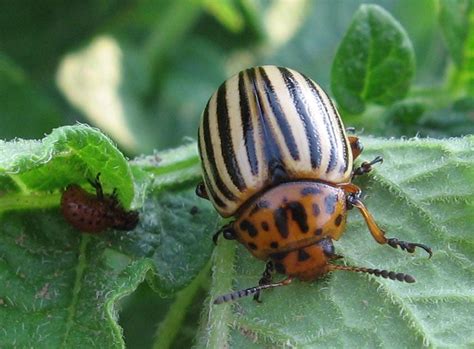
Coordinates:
(366, 167)
(408, 246)
(97, 186)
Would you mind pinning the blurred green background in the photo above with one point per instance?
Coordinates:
(142, 71)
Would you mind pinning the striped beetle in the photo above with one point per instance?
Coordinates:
(276, 157)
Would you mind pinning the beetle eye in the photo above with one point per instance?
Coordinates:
(327, 247)
(229, 233)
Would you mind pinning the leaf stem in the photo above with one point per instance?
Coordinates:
(17, 201)
(80, 268)
(169, 327)
(219, 316)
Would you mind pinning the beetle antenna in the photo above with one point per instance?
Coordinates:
(249, 291)
(377, 272)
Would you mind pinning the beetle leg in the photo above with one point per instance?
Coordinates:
(366, 167)
(97, 186)
(378, 234)
(266, 279)
(201, 191)
(250, 291)
(356, 146)
(227, 231)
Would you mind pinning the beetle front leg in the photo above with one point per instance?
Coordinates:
(201, 191)
(378, 234)
(366, 167)
(356, 146)
(266, 279)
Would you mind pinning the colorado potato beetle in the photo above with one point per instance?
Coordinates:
(275, 156)
(94, 213)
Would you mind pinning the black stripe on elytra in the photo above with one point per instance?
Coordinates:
(270, 147)
(211, 159)
(298, 213)
(342, 136)
(209, 187)
(281, 221)
(280, 117)
(247, 127)
(225, 136)
(300, 104)
(327, 122)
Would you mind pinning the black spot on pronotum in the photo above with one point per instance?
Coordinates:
(298, 214)
(316, 210)
(338, 220)
(302, 255)
(281, 221)
(265, 226)
(280, 268)
(318, 231)
(330, 203)
(310, 191)
(249, 227)
(274, 244)
(252, 246)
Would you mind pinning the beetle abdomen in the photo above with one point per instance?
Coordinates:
(268, 125)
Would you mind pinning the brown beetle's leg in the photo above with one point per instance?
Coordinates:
(227, 231)
(356, 146)
(97, 186)
(378, 234)
(266, 279)
(201, 191)
(366, 167)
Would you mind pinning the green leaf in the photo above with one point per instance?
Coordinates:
(457, 23)
(31, 170)
(24, 110)
(374, 63)
(227, 13)
(36, 38)
(423, 193)
(60, 287)
(104, 81)
(455, 26)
